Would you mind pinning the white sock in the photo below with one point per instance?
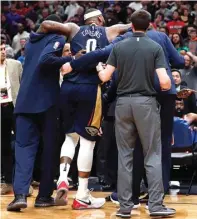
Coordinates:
(64, 174)
(82, 188)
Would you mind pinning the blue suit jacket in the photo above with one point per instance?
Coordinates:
(101, 55)
(39, 87)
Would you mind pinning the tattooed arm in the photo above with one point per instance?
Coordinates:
(68, 29)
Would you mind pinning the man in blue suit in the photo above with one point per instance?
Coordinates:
(166, 99)
(36, 116)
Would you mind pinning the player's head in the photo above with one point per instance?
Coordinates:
(140, 20)
(54, 17)
(94, 15)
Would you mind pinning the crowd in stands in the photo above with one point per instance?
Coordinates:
(178, 19)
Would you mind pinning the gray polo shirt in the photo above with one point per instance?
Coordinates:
(136, 59)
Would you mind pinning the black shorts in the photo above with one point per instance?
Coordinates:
(81, 109)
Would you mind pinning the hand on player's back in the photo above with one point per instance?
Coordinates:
(66, 68)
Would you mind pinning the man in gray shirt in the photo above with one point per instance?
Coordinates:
(137, 113)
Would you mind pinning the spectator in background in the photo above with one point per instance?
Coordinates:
(178, 6)
(164, 30)
(193, 57)
(5, 7)
(13, 17)
(21, 58)
(186, 33)
(80, 13)
(190, 102)
(30, 25)
(5, 37)
(110, 18)
(129, 13)
(6, 24)
(120, 13)
(8, 48)
(194, 12)
(41, 6)
(159, 21)
(185, 16)
(136, 5)
(10, 75)
(175, 25)
(164, 10)
(195, 21)
(31, 14)
(20, 38)
(57, 9)
(189, 73)
(177, 41)
(192, 44)
(71, 9)
(92, 4)
(179, 108)
(43, 16)
(22, 10)
(152, 8)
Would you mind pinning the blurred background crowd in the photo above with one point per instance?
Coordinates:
(178, 19)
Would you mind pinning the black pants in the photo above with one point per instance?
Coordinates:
(167, 103)
(109, 153)
(6, 149)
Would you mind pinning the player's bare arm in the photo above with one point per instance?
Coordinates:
(69, 29)
(115, 30)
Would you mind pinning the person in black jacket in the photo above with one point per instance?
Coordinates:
(36, 113)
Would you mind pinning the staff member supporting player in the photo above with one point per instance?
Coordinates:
(137, 113)
(36, 116)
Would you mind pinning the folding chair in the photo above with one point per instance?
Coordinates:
(183, 152)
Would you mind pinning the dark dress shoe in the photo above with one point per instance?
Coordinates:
(42, 202)
(19, 202)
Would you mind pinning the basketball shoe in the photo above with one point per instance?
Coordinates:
(62, 193)
(87, 202)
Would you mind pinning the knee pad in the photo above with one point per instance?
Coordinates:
(69, 145)
(85, 156)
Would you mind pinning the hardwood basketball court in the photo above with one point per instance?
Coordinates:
(186, 207)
